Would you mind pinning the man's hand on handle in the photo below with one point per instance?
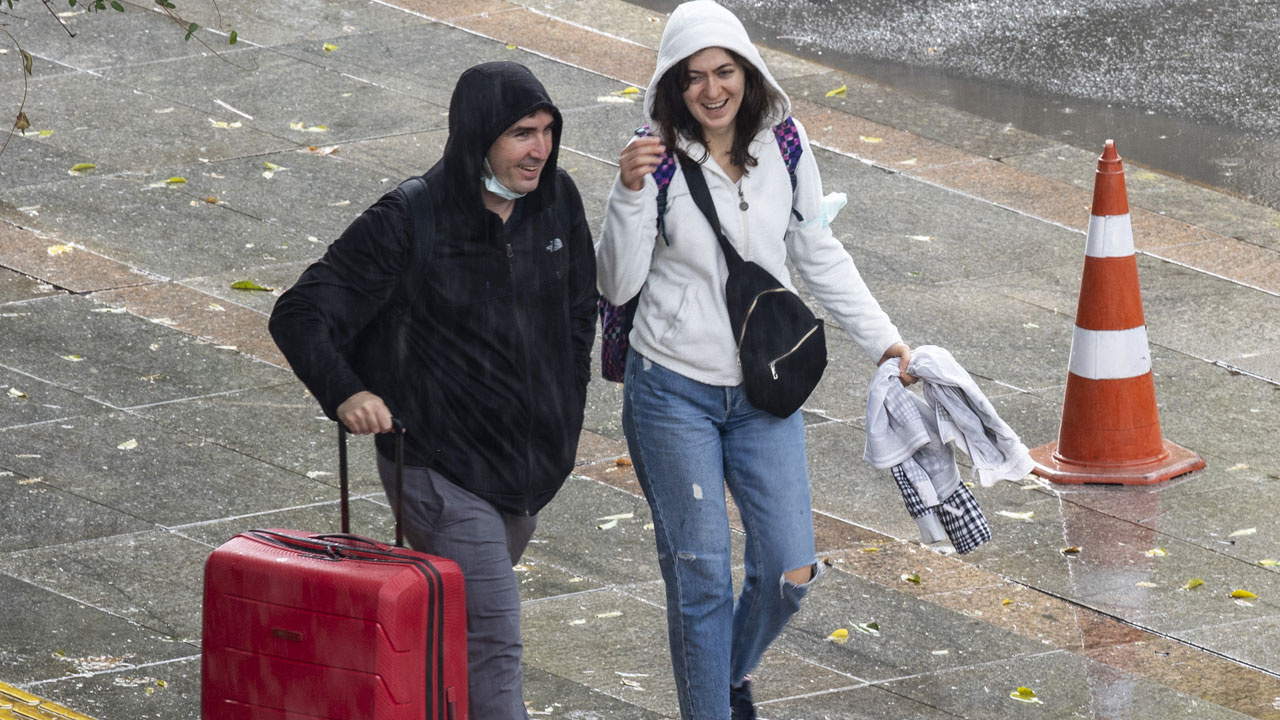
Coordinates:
(365, 413)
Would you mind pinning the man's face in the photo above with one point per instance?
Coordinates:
(518, 155)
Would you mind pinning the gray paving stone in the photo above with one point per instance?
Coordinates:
(858, 703)
(554, 696)
(48, 635)
(37, 515)
(103, 39)
(1249, 641)
(127, 361)
(165, 691)
(370, 517)
(1160, 193)
(910, 630)
(277, 23)
(280, 425)
(571, 538)
(15, 287)
(277, 92)
(28, 400)
(168, 478)
(152, 578)
(73, 106)
(1067, 685)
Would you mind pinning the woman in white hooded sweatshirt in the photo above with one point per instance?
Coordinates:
(689, 427)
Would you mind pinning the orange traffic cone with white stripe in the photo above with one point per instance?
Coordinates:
(1110, 430)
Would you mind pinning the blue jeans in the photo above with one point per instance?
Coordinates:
(688, 440)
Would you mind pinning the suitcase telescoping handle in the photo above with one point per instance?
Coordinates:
(344, 484)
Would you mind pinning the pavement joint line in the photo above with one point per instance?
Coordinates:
(98, 673)
(161, 403)
(177, 529)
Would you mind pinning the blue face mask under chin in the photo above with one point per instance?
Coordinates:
(492, 184)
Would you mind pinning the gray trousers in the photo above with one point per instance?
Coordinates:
(442, 519)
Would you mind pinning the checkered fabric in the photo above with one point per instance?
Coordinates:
(963, 520)
(902, 474)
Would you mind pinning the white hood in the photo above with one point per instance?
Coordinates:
(702, 24)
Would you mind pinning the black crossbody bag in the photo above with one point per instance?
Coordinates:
(781, 345)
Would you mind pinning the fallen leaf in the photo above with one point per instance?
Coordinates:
(248, 285)
(522, 567)
(579, 621)
(223, 125)
(1073, 550)
(330, 47)
(22, 123)
(623, 462)
(15, 392)
(610, 614)
(839, 637)
(871, 549)
(866, 139)
(1268, 562)
(1017, 515)
(1026, 695)
(46, 133)
(72, 358)
(870, 628)
(127, 445)
(629, 91)
(82, 168)
(607, 525)
(216, 307)
(1156, 552)
(1244, 532)
(1237, 467)
(913, 578)
(1006, 601)
(648, 526)
(59, 249)
(1192, 584)
(1243, 595)
(211, 200)
(175, 181)
(921, 238)
(313, 474)
(325, 150)
(838, 91)
(510, 46)
(1145, 584)
(308, 128)
(631, 683)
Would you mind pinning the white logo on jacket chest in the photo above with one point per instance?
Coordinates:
(554, 245)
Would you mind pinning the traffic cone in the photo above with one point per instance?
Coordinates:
(1110, 430)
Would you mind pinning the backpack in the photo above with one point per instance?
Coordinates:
(616, 320)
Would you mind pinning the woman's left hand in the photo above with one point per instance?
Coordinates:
(902, 351)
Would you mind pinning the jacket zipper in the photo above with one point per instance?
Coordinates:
(515, 312)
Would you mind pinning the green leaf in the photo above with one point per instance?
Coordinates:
(117, 6)
(234, 36)
(248, 285)
(26, 61)
(191, 30)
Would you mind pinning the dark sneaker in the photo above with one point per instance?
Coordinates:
(740, 706)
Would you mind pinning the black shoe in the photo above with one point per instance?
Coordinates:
(740, 706)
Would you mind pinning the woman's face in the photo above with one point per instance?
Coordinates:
(716, 82)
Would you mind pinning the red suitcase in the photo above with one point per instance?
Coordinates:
(336, 627)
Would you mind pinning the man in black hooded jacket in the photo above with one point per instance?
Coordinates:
(487, 367)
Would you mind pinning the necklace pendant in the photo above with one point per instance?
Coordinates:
(743, 205)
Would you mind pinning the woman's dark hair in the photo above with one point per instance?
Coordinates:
(675, 120)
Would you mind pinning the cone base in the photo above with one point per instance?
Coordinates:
(1176, 461)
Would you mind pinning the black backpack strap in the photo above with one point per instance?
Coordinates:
(422, 212)
(701, 195)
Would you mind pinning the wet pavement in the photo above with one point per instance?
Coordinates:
(145, 416)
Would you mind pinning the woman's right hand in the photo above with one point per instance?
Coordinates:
(639, 158)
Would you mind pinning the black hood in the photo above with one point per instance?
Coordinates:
(488, 99)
